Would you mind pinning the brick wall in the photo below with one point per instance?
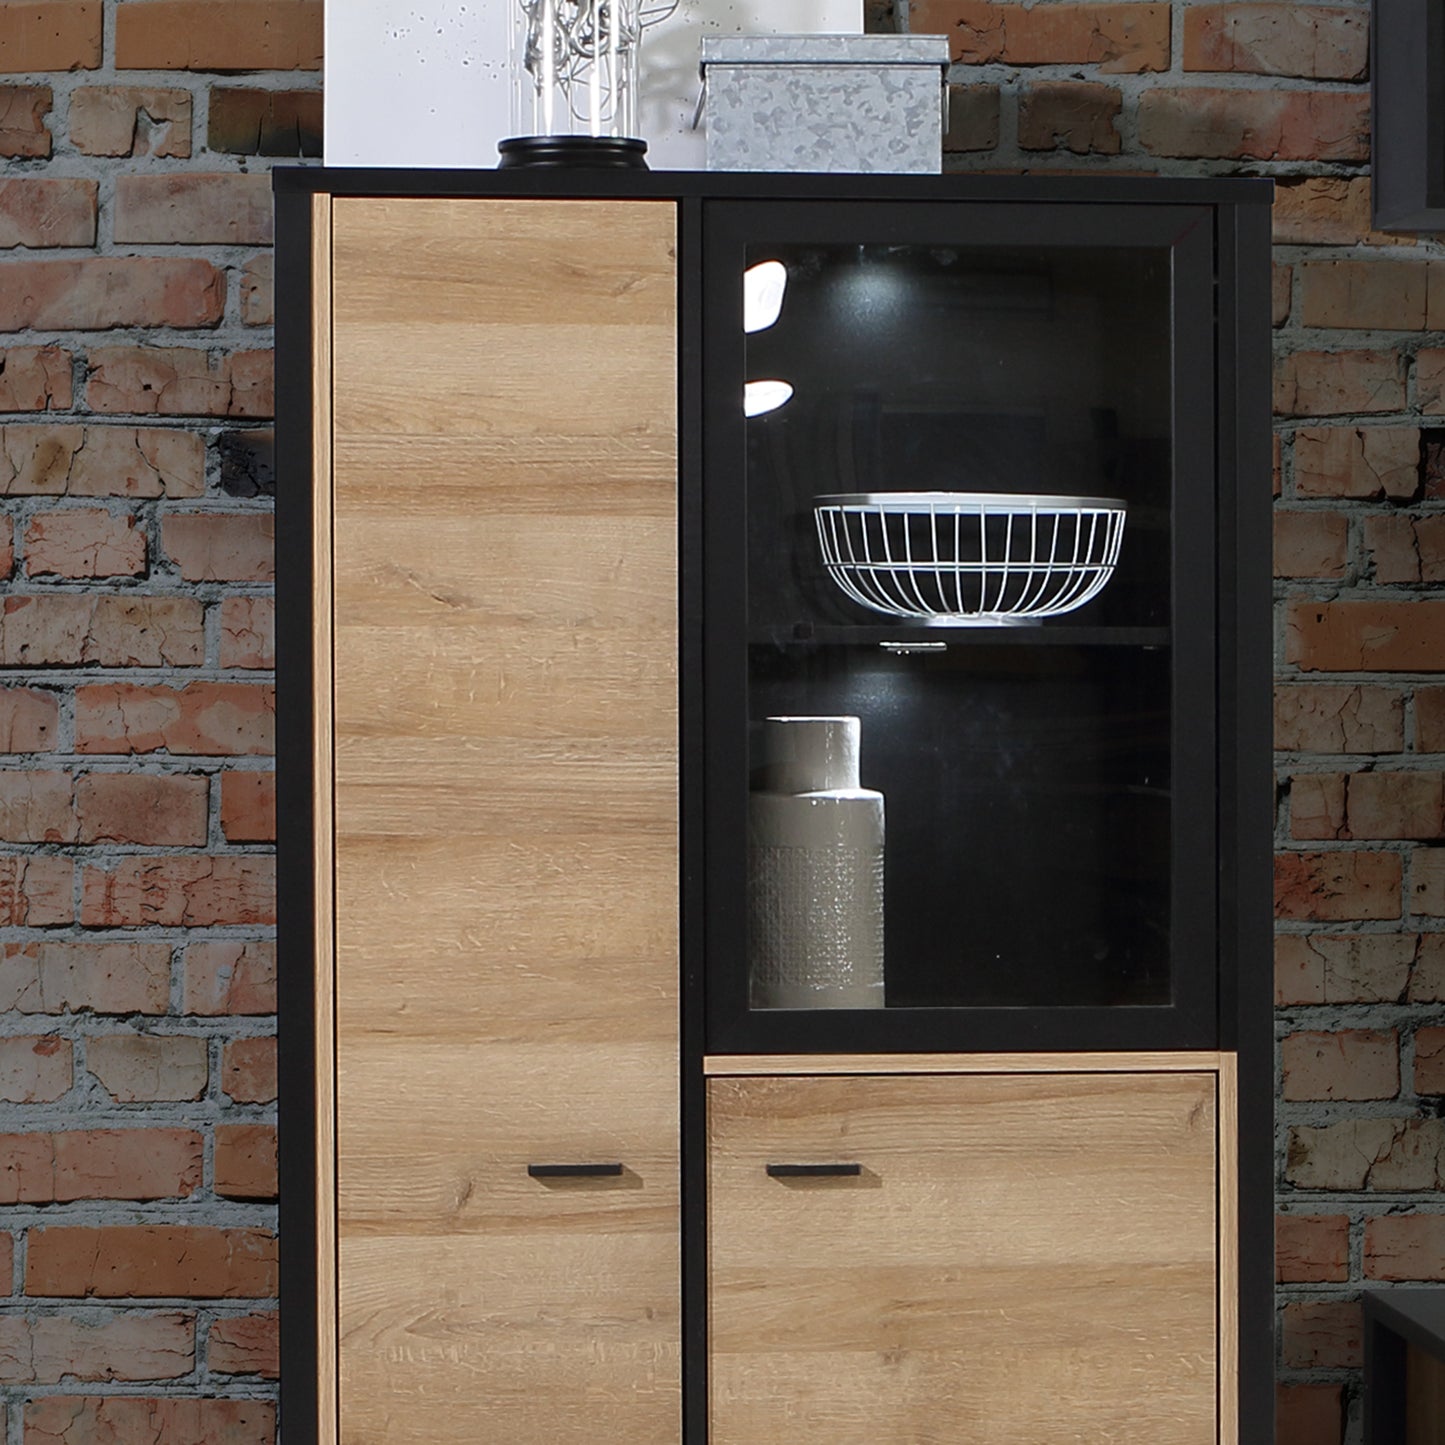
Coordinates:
(137, 975)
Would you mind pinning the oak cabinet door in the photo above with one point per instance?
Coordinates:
(503, 436)
(1018, 1260)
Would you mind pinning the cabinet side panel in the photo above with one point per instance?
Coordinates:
(506, 805)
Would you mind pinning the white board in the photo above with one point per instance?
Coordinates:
(424, 83)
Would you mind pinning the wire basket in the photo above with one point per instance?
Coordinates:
(970, 559)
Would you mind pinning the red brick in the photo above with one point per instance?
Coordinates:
(1331, 383)
(100, 292)
(1366, 636)
(84, 542)
(229, 977)
(1427, 882)
(1364, 462)
(157, 1261)
(179, 892)
(1077, 115)
(58, 1168)
(144, 1068)
(1344, 968)
(248, 1070)
(258, 303)
(35, 1069)
(1405, 1247)
(1337, 885)
(201, 35)
(37, 35)
(267, 122)
(1317, 806)
(45, 211)
(248, 807)
(27, 720)
(36, 892)
(1281, 284)
(180, 381)
(79, 1420)
(1385, 1155)
(53, 977)
(1347, 1064)
(221, 546)
(7, 1264)
(152, 808)
(1430, 1061)
(1322, 1335)
(100, 461)
(66, 629)
(1375, 805)
(23, 108)
(201, 719)
(1373, 295)
(246, 1161)
(1311, 1249)
(192, 208)
(1310, 544)
(44, 1350)
(248, 632)
(1406, 549)
(973, 112)
(245, 1345)
(1338, 718)
(1326, 211)
(1432, 466)
(36, 807)
(34, 378)
(1312, 41)
(1267, 125)
(127, 120)
(1109, 38)
(1430, 380)
(1430, 719)
(1309, 1414)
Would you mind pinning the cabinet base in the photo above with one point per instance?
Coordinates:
(591, 152)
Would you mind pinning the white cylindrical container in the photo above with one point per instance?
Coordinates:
(815, 869)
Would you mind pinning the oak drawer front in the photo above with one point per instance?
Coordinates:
(1017, 1260)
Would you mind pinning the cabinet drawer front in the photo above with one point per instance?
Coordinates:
(505, 783)
(1018, 1259)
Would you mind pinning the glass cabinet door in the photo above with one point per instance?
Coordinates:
(959, 543)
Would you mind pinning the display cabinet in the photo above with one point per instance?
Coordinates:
(775, 809)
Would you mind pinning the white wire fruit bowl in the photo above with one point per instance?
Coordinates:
(970, 559)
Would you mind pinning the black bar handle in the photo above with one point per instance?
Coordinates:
(574, 1171)
(814, 1171)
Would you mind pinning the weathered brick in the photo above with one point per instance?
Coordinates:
(1405, 1247)
(79, 1420)
(1311, 1249)
(1337, 885)
(1430, 380)
(206, 719)
(266, 122)
(221, 546)
(28, 720)
(63, 630)
(1430, 719)
(1346, 1064)
(246, 1161)
(1334, 383)
(36, 806)
(100, 461)
(152, 808)
(142, 1068)
(248, 462)
(61, 1167)
(1376, 805)
(1406, 549)
(972, 125)
(84, 542)
(1373, 295)
(1309, 1414)
(1427, 882)
(1338, 718)
(1427, 979)
(1322, 1335)
(186, 891)
(200, 35)
(41, 211)
(36, 892)
(1109, 38)
(1266, 125)
(1320, 968)
(1281, 295)
(193, 208)
(258, 300)
(1076, 115)
(155, 1261)
(1388, 1155)
(1430, 1061)
(1310, 544)
(54, 977)
(39, 35)
(248, 1070)
(245, 1345)
(248, 807)
(45, 1349)
(248, 635)
(23, 132)
(7, 1264)
(1317, 806)
(229, 977)
(100, 292)
(1366, 636)
(34, 378)
(1364, 462)
(35, 1069)
(180, 381)
(1313, 41)
(1326, 211)
(131, 120)
(1432, 465)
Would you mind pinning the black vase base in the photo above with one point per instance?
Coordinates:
(594, 152)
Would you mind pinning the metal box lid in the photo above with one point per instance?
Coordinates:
(889, 50)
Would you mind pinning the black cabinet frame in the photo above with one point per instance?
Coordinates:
(1407, 114)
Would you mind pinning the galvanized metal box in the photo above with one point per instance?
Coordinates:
(825, 102)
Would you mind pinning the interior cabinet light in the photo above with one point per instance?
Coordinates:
(763, 287)
(764, 396)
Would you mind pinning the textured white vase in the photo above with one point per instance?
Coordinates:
(815, 869)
